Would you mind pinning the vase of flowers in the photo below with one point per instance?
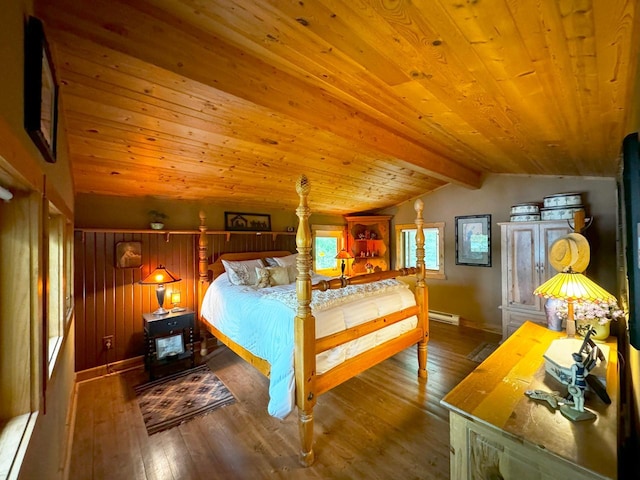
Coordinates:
(595, 316)
(369, 267)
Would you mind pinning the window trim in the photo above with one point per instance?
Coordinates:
(58, 278)
(334, 231)
(436, 274)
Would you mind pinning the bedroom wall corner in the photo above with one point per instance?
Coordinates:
(474, 293)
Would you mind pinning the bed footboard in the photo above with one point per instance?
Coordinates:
(308, 384)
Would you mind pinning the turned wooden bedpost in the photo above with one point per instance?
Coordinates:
(421, 290)
(304, 329)
(203, 275)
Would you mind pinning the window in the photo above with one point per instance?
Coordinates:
(68, 272)
(60, 267)
(433, 247)
(55, 297)
(328, 240)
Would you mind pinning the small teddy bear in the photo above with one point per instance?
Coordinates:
(264, 278)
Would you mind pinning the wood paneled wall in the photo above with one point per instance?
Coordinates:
(110, 301)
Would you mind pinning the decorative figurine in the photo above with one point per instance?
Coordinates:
(576, 378)
(576, 388)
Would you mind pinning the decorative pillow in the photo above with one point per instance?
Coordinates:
(264, 277)
(271, 262)
(279, 275)
(271, 276)
(290, 262)
(242, 272)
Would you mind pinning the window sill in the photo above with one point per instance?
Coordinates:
(14, 439)
(437, 276)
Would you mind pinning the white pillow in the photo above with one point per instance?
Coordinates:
(270, 261)
(290, 262)
(242, 272)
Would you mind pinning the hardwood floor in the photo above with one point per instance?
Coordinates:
(385, 423)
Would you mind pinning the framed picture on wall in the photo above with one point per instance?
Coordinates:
(128, 254)
(40, 91)
(629, 192)
(473, 240)
(254, 222)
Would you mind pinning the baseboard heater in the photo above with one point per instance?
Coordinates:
(451, 318)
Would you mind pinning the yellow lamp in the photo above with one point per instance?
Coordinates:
(343, 255)
(573, 287)
(159, 277)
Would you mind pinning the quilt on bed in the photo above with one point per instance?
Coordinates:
(261, 320)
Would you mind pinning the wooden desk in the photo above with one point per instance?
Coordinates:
(498, 432)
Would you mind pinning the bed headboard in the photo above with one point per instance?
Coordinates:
(218, 269)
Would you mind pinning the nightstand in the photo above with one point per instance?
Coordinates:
(168, 340)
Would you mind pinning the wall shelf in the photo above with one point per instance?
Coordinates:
(168, 233)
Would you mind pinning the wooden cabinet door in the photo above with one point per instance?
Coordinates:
(527, 267)
(549, 233)
(523, 267)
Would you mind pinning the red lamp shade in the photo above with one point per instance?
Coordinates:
(159, 277)
(343, 255)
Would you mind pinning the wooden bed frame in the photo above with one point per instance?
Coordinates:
(309, 384)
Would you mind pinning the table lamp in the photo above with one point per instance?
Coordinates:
(573, 287)
(343, 255)
(159, 277)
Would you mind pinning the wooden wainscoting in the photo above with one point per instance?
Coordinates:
(110, 301)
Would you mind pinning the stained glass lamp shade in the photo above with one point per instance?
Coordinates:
(573, 287)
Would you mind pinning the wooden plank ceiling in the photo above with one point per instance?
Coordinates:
(377, 101)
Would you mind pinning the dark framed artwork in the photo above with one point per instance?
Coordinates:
(473, 240)
(40, 91)
(249, 222)
(128, 254)
(630, 210)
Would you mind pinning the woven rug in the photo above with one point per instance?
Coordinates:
(178, 398)
(482, 351)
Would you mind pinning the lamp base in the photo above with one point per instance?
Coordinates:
(576, 415)
(161, 311)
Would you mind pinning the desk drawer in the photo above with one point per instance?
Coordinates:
(162, 326)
